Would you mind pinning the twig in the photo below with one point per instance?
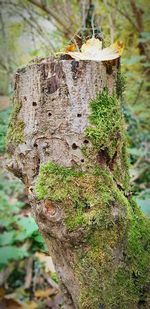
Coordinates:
(54, 15)
(51, 282)
(123, 13)
(111, 25)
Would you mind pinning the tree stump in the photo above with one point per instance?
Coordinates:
(67, 143)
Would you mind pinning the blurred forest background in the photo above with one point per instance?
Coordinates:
(38, 28)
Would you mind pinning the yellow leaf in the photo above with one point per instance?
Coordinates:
(45, 293)
(92, 50)
(70, 48)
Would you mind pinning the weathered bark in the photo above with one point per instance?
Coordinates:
(80, 197)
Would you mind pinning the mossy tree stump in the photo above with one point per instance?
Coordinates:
(67, 143)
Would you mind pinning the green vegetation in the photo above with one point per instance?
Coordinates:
(15, 229)
(15, 133)
(106, 132)
(78, 192)
(106, 121)
(120, 85)
(50, 180)
(124, 285)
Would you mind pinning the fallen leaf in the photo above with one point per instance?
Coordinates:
(92, 50)
(47, 260)
(46, 293)
(2, 292)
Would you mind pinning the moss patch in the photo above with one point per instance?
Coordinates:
(106, 121)
(15, 133)
(120, 85)
(53, 182)
(83, 195)
(106, 133)
(105, 282)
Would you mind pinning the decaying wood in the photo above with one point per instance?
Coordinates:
(55, 96)
(55, 99)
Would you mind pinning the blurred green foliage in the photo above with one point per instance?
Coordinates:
(19, 236)
(4, 120)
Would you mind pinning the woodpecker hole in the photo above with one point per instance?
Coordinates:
(74, 146)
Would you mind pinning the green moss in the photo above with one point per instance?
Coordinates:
(82, 194)
(106, 133)
(97, 264)
(53, 182)
(120, 85)
(15, 133)
(138, 244)
(106, 122)
(111, 284)
(133, 276)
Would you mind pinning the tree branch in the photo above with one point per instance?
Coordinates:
(137, 12)
(49, 11)
(124, 13)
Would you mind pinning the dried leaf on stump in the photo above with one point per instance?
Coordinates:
(92, 50)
